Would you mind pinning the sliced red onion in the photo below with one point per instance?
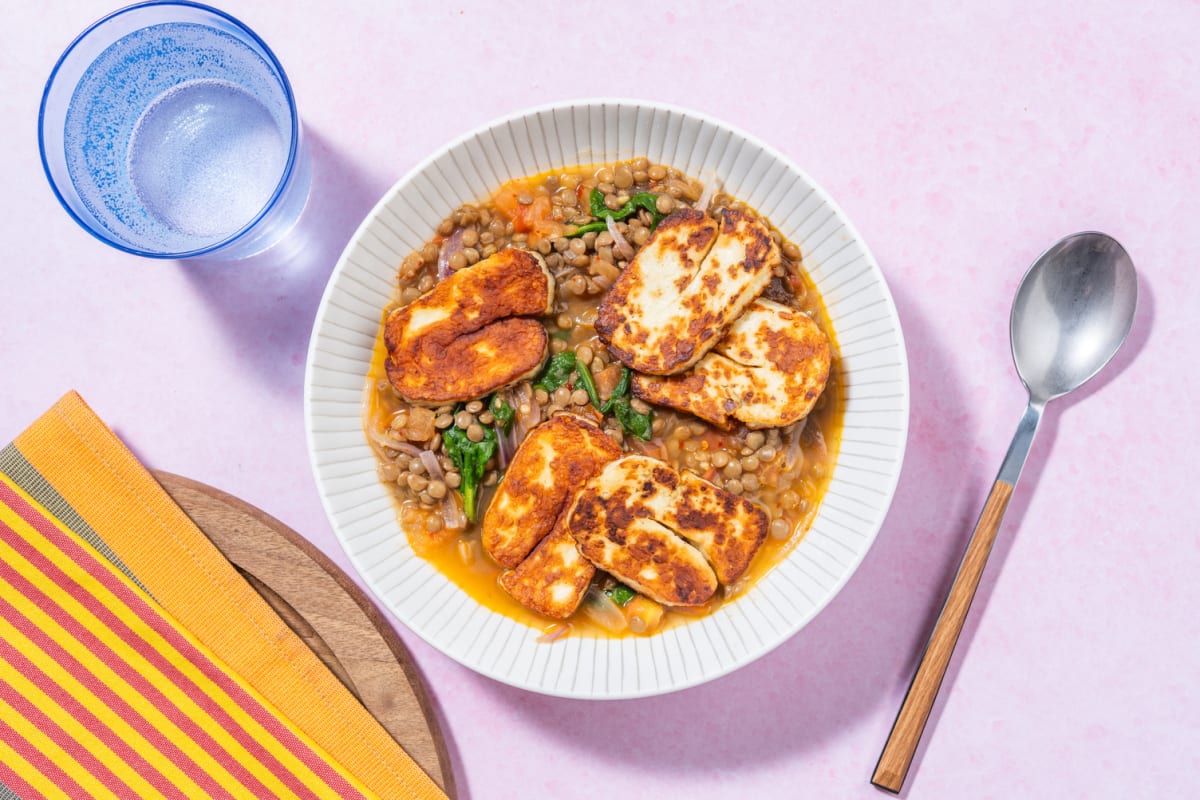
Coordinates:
(793, 454)
(383, 440)
(505, 445)
(503, 454)
(430, 462)
(526, 420)
(555, 632)
(452, 515)
(535, 415)
(449, 248)
(521, 394)
(620, 242)
(818, 439)
(600, 609)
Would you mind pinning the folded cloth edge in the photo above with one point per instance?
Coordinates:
(106, 485)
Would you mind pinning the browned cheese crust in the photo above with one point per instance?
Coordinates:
(727, 528)
(767, 372)
(556, 458)
(553, 578)
(523, 528)
(473, 333)
(673, 537)
(684, 288)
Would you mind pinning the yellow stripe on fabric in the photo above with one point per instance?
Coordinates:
(50, 749)
(20, 765)
(78, 455)
(144, 631)
(76, 730)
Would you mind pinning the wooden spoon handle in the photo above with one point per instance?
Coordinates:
(902, 743)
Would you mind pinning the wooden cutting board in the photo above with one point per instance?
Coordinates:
(329, 612)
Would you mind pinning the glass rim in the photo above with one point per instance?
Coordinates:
(293, 147)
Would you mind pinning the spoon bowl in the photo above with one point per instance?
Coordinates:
(1072, 311)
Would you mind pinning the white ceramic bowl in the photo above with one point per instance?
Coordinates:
(791, 594)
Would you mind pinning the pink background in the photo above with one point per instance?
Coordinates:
(962, 139)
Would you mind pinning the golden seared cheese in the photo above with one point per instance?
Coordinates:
(684, 288)
(556, 458)
(553, 578)
(473, 333)
(724, 526)
(766, 372)
(673, 537)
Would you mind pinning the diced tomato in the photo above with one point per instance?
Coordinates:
(539, 219)
(506, 200)
(422, 541)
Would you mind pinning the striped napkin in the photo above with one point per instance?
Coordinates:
(136, 662)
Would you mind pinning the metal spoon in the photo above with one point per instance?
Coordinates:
(1072, 311)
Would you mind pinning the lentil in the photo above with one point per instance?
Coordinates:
(780, 529)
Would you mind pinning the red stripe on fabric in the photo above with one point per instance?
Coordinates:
(87, 559)
(110, 698)
(51, 771)
(87, 719)
(40, 720)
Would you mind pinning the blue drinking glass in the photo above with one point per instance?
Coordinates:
(169, 130)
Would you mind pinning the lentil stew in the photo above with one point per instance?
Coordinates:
(587, 223)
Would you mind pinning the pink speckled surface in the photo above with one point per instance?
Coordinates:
(962, 139)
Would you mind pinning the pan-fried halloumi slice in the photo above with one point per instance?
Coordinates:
(727, 528)
(556, 458)
(672, 537)
(684, 288)
(649, 558)
(473, 333)
(767, 372)
(553, 578)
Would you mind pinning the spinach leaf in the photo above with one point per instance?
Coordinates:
(598, 225)
(619, 391)
(600, 210)
(470, 458)
(634, 423)
(503, 412)
(621, 594)
(557, 372)
(647, 201)
(589, 385)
